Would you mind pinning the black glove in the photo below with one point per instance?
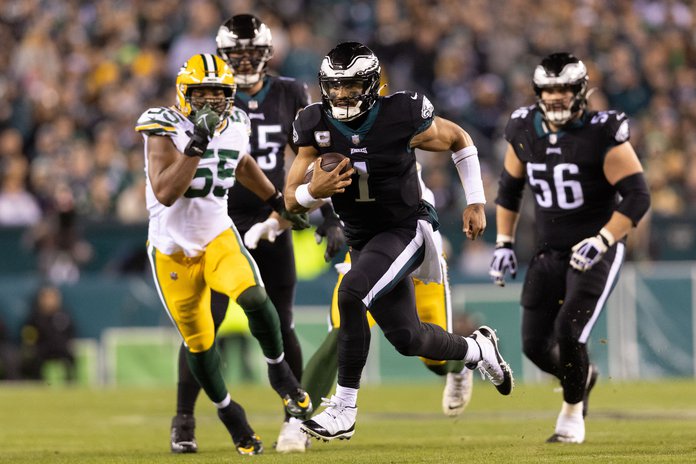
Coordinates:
(332, 229)
(205, 121)
(299, 221)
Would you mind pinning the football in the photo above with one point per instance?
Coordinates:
(329, 161)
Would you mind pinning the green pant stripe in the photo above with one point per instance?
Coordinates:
(152, 253)
(247, 255)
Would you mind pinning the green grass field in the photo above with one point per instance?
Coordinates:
(628, 423)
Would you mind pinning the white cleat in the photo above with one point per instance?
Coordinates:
(457, 393)
(336, 421)
(291, 439)
(569, 429)
(492, 364)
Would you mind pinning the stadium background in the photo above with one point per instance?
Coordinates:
(76, 75)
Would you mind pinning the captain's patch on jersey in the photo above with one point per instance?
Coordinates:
(323, 138)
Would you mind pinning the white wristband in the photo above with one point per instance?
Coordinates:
(305, 198)
(504, 238)
(608, 236)
(469, 171)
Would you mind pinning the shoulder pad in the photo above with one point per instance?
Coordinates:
(614, 123)
(305, 122)
(518, 119)
(159, 121)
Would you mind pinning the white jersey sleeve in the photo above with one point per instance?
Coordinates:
(200, 214)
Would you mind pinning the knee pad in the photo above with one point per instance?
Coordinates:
(252, 297)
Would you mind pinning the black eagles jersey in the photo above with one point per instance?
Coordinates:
(385, 191)
(564, 171)
(271, 112)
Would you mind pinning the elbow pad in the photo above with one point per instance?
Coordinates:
(510, 191)
(635, 197)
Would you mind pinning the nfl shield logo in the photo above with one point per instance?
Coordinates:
(253, 104)
(356, 139)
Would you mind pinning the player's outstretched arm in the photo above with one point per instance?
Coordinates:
(250, 175)
(443, 135)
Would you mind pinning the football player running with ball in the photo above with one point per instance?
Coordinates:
(245, 43)
(388, 227)
(576, 162)
(193, 154)
(433, 304)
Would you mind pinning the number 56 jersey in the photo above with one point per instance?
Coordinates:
(565, 172)
(200, 214)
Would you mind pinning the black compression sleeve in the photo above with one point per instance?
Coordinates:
(510, 191)
(635, 195)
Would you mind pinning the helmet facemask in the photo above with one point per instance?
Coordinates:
(205, 71)
(349, 79)
(221, 102)
(565, 72)
(246, 45)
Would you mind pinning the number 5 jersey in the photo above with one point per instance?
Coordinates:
(200, 214)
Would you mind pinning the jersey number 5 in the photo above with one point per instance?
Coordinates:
(568, 191)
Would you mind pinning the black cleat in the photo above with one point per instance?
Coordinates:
(249, 446)
(298, 403)
(591, 381)
(183, 438)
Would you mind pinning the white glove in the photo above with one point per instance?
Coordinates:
(266, 230)
(342, 268)
(590, 251)
(504, 260)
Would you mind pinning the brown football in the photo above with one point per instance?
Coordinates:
(329, 161)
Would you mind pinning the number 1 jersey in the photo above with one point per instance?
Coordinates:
(385, 190)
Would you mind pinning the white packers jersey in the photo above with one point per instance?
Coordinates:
(200, 214)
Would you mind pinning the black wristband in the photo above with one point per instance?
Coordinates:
(198, 142)
(277, 202)
(503, 245)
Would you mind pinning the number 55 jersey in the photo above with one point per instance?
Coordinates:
(200, 214)
(565, 172)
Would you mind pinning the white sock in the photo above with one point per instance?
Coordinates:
(473, 351)
(277, 360)
(224, 403)
(349, 396)
(571, 409)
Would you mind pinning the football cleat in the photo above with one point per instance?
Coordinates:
(183, 438)
(336, 421)
(592, 375)
(291, 439)
(492, 364)
(298, 403)
(569, 429)
(249, 446)
(457, 393)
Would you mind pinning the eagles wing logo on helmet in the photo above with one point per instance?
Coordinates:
(201, 71)
(349, 79)
(246, 45)
(566, 71)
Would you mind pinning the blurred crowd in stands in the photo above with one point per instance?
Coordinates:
(77, 74)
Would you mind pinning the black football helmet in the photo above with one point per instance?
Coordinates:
(353, 67)
(562, 70)
(245, 37)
